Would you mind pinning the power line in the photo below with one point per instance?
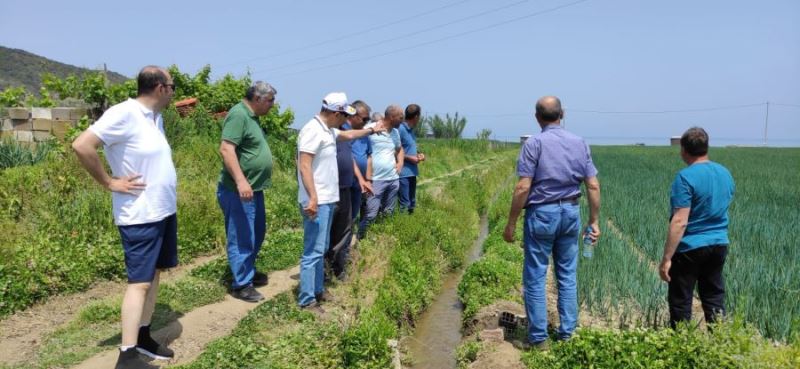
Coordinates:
(667, 111)
(787, 105)
(381, 42)
(349, 35)
(671, 111)
(493, 25)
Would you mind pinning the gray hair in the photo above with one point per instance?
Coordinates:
(376, 116)
(393, 109)
(259, 89)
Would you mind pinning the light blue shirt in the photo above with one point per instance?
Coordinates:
(384, 154)
(707, 189)
(558, 162)
(410, 147)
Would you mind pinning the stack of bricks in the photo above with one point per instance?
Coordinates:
(32, 125)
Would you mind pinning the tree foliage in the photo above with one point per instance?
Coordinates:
(447, 127)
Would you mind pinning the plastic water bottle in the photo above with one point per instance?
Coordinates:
(588, 245)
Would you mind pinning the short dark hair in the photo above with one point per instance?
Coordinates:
(695, 141)
(549, 112)
(358, 104)
(149, 78)
(413, 111)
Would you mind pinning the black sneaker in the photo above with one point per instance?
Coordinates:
(260, 279)
(130, 359)
(248, 294)
(148, 346)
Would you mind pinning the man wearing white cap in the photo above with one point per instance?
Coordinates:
(318, 190)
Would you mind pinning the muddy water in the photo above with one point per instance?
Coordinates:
(438, 330)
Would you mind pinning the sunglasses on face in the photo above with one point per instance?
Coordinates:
(170, 85)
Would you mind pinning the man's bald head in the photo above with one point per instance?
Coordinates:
(150, 77)
(548, 109)
(394, 114)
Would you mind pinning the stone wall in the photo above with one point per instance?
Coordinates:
(31, 125)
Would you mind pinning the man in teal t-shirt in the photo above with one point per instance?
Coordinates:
(696, 245)
(246, 172)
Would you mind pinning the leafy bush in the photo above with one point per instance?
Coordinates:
(729, 345)
(12, 97)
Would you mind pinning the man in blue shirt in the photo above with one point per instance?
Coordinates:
(696, 245)
(409, 173)
(338, 254)
(362, 151)
(551, 167)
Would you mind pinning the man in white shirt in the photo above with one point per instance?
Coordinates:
(383, 168)
(143, 185)
(318, 191)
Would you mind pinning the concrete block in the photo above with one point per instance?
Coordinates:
(61, 128)
(491, 335)
(8, 134)
(77, 113)
(24, 136)
(41, 113)
(42, 125)
(21, 125)
(39, 136)
(6, 125)
(18, 113)
(61, 113)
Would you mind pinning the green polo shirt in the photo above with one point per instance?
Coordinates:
(255, 158)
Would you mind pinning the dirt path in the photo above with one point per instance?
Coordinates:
(189, 335)
(456, 172)
(22, 333)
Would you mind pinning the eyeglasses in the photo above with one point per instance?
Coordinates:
(364, 119)
(170, 85)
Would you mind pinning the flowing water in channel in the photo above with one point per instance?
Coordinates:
(438, 331)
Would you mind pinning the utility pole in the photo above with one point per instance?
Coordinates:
(766, 124)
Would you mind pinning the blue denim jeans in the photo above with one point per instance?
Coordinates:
(408, 194)
(382, 201)
(245, 227)
(316, 238)
(555, 229)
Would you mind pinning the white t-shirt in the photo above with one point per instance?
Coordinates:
(134, 143)
(316, 138)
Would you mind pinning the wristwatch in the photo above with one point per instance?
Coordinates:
(371, 130)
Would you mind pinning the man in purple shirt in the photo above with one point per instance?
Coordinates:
(551, 167)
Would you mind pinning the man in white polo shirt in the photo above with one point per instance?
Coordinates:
(318, 191)
(143, 187)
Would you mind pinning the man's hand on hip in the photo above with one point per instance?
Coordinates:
(129, 184)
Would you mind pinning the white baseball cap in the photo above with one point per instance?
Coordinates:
(337, 101)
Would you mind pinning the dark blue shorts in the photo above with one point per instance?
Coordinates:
(149, 247)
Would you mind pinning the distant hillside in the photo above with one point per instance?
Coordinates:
(21, 68)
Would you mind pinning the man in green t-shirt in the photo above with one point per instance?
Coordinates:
(246, 172)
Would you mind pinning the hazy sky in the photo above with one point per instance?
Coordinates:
(487, 60)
